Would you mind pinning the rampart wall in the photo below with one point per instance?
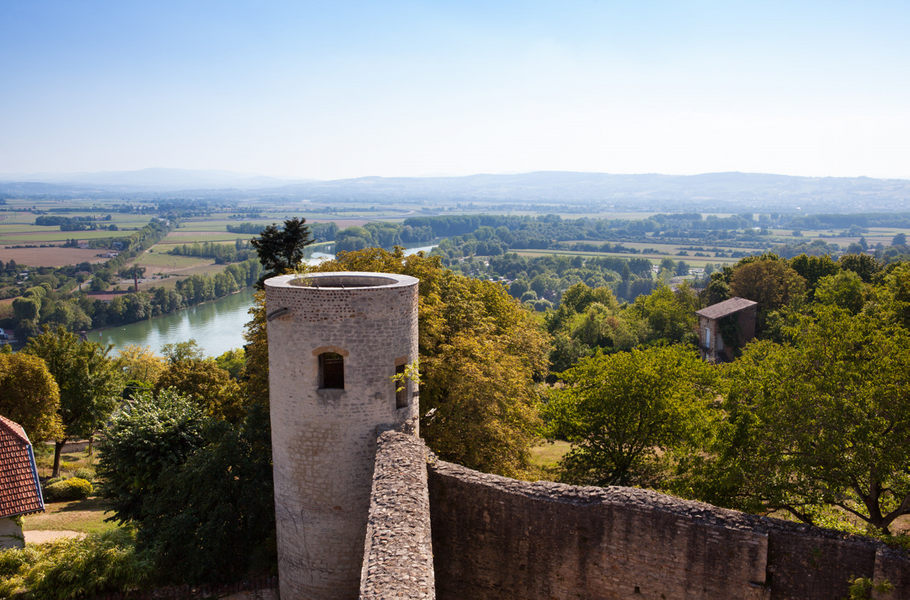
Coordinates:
(497, 538)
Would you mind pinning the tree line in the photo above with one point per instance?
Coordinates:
(81, 223)
(239, 251)
(321, 232)
(381, 235)
(42, 305)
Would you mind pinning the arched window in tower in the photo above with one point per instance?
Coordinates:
(331, 371)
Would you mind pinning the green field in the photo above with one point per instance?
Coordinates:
(548, 453)
(54, 236)
(152, 260)
(182, 236)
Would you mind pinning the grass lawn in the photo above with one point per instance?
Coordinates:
(69, 461)
(547, 453)
(85, 516)
(188, 236)
(44, 235)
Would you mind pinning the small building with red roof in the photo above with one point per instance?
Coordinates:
(20, 488)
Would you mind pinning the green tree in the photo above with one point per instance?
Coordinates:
(233, 362)
(142, 441)
(891, 297)
(134, 272)
(89, 383)
(209, 385)
(669, 315)
(180, 351)
(717, 290)
(218, 507)
(845, 290)
(257, 352)
(30, 396)
(281, 249)
(26, 308)
(823, 422)
(813, 268)
(862, 264)
(484, 412)
(141, 364)
(629, 415)
(768, 281)
(91, 567)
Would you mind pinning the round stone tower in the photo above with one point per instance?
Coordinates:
(336, 342)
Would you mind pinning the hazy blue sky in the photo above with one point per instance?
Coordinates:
(344, 89)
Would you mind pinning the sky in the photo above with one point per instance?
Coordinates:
(329, 90)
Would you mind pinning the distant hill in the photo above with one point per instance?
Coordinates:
(152, 180)
(718, 192)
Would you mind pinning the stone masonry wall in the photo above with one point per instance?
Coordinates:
(500, 538)
(398, 555)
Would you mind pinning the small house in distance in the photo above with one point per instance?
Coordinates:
(737, 315)
(20, 489)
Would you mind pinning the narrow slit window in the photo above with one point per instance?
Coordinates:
(331, 371)
(401, 388)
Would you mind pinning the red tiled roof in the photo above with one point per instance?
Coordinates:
(727, 307)
(20, 491)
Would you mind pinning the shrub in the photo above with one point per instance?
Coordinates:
(74, 488)
(142, 442)
(54, 480)
(98, 564)
(85, 473)
(218, 508)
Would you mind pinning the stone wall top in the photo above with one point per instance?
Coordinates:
(398, 553)
(341, 280)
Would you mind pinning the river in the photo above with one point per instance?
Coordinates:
(216, 326)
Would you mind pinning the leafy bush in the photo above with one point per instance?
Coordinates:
(141, 442)
(74, 488)
(85, 473)
(100, 563)
(217, 508)
(54, 480)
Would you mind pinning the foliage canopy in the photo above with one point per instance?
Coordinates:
(30, 396)
(628, 414)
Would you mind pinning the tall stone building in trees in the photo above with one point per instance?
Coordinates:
(336, 342)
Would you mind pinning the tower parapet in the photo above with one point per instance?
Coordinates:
(336, 341)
